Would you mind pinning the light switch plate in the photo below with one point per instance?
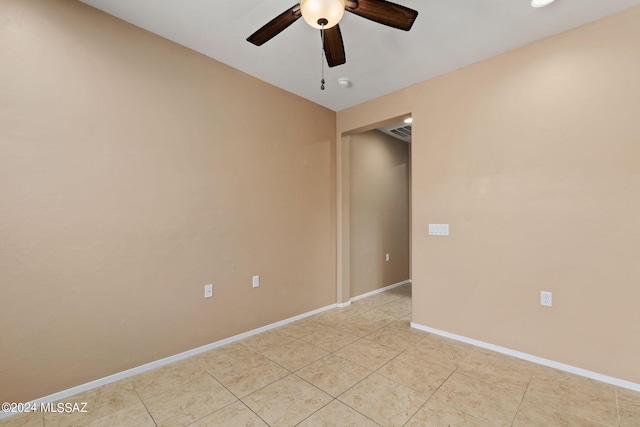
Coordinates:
(438, 229)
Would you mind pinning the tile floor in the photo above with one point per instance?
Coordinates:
(356, 366)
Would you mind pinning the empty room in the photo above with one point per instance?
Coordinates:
(266, 214)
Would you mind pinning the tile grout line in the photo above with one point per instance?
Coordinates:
(254, 412)
(522, 399)
(144, 404)
(434, 392)
(455, 371)
(618, 407)
(219, 409)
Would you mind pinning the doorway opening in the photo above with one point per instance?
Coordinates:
(374, 209)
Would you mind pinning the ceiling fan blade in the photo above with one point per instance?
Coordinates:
(275, 26)
(383, 12)
(333, 46)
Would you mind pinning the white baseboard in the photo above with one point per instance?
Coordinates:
(531, 358)
(162, 362)
(343, 304)
(377, 291)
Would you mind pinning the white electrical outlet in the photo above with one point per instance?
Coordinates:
(256, 281)
(208, 291)
(386, 258)
(546, 299)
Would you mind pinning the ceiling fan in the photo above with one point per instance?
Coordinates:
(325, 15)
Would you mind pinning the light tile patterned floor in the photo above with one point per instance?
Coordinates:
(356, 366)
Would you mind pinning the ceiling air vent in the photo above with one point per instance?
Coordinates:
(404, 131)
(398, 130)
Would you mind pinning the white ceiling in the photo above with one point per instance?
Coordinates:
(447, 35)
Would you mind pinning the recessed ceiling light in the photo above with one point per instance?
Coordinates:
(541, 3)
(409, 120)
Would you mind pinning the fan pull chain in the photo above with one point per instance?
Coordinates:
(322, 57)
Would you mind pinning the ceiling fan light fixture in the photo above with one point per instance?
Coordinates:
(541, 3)
(318, 11)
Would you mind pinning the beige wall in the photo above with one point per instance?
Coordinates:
(532, 157)
(379, 211)
(133, 172)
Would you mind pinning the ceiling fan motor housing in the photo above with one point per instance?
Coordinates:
(325, 15)
(322, 13)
